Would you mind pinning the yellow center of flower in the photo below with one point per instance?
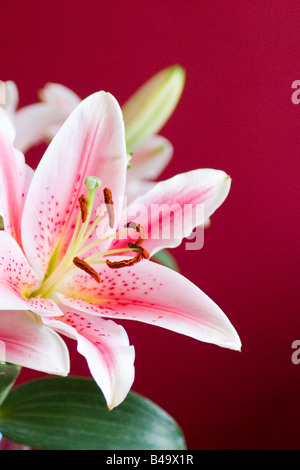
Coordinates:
(78, 247)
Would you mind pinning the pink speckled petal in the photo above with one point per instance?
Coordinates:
(106, 348)
(173, 208)
(14, 267)
(26, 342)
(18, 280)
(15, 178)
(154, 294)
(91, 142)
(12, 299)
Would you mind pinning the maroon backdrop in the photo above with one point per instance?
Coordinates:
(236, 114)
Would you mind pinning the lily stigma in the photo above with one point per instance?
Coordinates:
(72, 261)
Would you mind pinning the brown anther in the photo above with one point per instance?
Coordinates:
(133, 246)
(109, 206)
(83, 207)
(139, 242)
(124, 263)
(131, 225)
(139, 249)
(145, 254)
(138, 228)
(81, 264)
(141, 231)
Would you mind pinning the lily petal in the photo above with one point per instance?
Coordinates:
(150, 159)
(15, 269)
(91, 142)
(146, 164)
(17, 280)
(15, 178)
(134, 188)
(61, 98)
(11, 299)
(151, 293)
(32, 122)
(27, 343)
(106, 348)
(173, 208)
(11, 97)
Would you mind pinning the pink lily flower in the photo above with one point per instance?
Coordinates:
(66, 269)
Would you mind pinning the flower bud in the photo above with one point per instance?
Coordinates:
(151, 105)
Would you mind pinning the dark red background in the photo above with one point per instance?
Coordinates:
(236, 114)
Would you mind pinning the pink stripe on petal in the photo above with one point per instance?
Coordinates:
(173, 208)
(106, 348)
(153, 294)
(30, 344)
(15, 178)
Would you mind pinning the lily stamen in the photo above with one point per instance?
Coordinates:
(139, 249)
(124, 263)
(97, 242)
(140, 229)
(82, 264)
(83, 207)
(136, 247)
(109, 206)
(74, 255)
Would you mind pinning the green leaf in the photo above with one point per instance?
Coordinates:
(164, 257)
(8, 376)
(70, 414)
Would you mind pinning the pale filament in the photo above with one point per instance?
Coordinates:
(76, 248)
